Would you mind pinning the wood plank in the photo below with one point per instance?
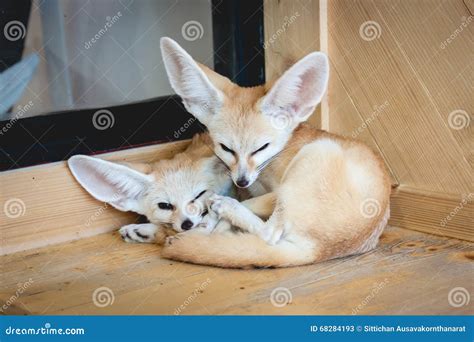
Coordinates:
(444, 66)
(433, 213)
(348, 122)
(291, 31)
(409, 273)
(299, 39)
(404, 64)
(44, 204)
(324, 47)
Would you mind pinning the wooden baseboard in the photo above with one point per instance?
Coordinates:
(44, 205)
(433, 213)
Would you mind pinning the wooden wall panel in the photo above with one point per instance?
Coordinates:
(399, 59)
(346, 120)
(291, 32)
(401, 80)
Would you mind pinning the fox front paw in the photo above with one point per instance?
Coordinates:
(208, 223)
(271, 235)
(223, 206)
(141, 233)
(171, 239)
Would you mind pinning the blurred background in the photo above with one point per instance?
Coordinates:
(103, 53)
(87, 76)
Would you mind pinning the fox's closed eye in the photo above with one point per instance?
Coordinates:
(225, 148)
(200, 194)
(165, 206)
(261, 148)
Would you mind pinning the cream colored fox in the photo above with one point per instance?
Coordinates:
(325, 196)
(171, 193)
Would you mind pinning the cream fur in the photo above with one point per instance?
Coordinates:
(330, 195)
(141, 187)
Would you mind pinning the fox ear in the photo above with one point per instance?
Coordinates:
(299, 90)
(118, 185)
(193, 82)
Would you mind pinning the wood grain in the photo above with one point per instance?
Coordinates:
(308, 33)
(54, 208)
(408, 63)
(291, 31)
(433, 213)
(409, 273)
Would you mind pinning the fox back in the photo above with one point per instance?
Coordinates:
(331, 193)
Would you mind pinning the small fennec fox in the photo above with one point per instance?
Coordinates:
(171, 193)
(325, 196)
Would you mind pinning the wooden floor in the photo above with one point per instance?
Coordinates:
(410, 273)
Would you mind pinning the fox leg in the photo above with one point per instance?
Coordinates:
(143, 233)
(262, 206)
(242, 217)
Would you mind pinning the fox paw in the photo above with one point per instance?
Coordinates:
(142, 233)
(172, 239)
(223, 226)
(271, 235)
(208, 223)
(222, 205)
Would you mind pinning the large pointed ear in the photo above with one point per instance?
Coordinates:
(194, 83)
(118, 185)
(299, 90)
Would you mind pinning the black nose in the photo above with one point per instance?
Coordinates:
(186, 225)
(242, 182)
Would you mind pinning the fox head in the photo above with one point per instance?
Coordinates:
(248, 126)
(172, 193)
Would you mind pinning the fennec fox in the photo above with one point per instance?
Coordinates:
(325, 196)
(171, 193)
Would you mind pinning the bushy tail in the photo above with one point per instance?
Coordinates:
(237, 250)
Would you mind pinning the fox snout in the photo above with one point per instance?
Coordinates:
(242, 174)
(241, 177)
(187, 224)
(242, 182)
(192, 213)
